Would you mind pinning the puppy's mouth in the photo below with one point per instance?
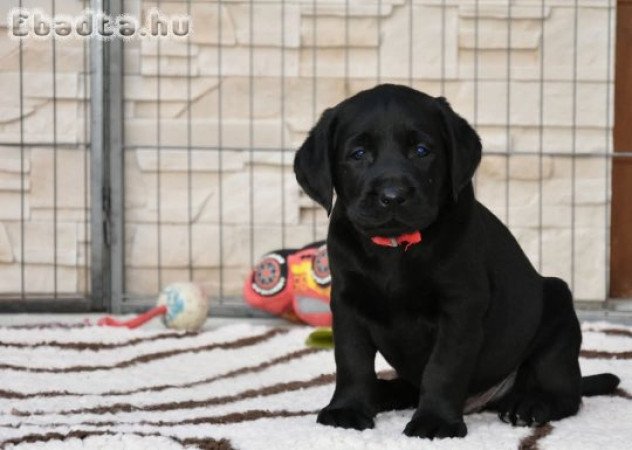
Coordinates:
(387, 225)
(390, 222)
(391, 227)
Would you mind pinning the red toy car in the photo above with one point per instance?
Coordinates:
(294, 284)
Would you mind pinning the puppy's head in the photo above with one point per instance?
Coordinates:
(393, 155)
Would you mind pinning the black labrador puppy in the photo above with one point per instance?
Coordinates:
(430, 278)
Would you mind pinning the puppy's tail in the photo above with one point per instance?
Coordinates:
(600, 384)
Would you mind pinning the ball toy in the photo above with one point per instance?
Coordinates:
(183, 306)
(186, 306)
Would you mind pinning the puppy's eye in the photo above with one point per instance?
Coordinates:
(422, 150)
(358, 153)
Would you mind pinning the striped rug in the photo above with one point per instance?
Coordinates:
(242, 387)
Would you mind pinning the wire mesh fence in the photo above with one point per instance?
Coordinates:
(210, 122)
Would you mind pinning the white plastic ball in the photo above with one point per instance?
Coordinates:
(187, 306)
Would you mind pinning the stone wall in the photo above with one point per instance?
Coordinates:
(259, 79)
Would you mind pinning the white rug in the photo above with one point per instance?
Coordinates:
(243, 387)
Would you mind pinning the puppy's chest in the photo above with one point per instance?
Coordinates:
(392, 294)
(402, 285)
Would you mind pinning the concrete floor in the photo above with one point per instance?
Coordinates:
(618, 317)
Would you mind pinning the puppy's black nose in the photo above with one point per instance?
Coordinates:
(393, 196)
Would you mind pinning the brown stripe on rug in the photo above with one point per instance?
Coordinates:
(531, 442)
(224, 419)
(142, 359)
(601, 354)
(611, 331)
(47, 326)
(241, 371)
(204, 444)
(272, 389)
(236, 417)
(97, 346)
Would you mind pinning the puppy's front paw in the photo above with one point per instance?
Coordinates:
(345, 418)
(429, 425)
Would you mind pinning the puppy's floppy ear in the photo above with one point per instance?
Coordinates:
(312, 163)
(464, 147)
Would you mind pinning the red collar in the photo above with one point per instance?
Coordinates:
(406, 239)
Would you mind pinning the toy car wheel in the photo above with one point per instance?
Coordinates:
(270, 275)
(320, 267)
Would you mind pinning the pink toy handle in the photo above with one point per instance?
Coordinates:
(110, 321)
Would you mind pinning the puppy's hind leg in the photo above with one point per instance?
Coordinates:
(548, 384)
